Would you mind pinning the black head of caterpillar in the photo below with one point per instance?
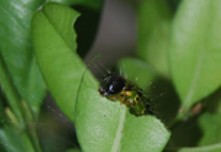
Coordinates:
(117, 88)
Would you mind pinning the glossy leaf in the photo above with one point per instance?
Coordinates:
(154, 23)
(107, 124)
(195, 50)
(16, 48)
(54, 44)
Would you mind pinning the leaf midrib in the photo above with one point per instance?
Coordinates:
(119, 132)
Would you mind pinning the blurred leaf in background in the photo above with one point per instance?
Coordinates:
(195, 50)
(154, 25)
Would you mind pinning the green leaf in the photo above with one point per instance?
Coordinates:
(195, 50)
(16, 49)
(154, 23)
(15, 141)
(110, 127)
(137, 71)
(54, 43)
(208, 148)
(107, 124)
(211, 127)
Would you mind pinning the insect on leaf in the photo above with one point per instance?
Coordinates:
(101, 125)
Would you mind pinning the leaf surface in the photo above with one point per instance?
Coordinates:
(196, 50)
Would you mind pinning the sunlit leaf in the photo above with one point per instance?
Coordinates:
(196, 50)
(54, 43)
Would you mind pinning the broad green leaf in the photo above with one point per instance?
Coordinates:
(16, 49)
(110, 127)
(101, 125)
(196, 50)
(210, 126)
(15, 141)
(208, 148)
(54, 42)
(154, 23)
(136, 71)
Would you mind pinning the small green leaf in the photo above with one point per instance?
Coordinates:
(154, 23)
(196, 50)
(101, 125)
(137, 71)
(208, 148)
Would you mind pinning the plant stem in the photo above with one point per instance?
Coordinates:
(9, 90)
